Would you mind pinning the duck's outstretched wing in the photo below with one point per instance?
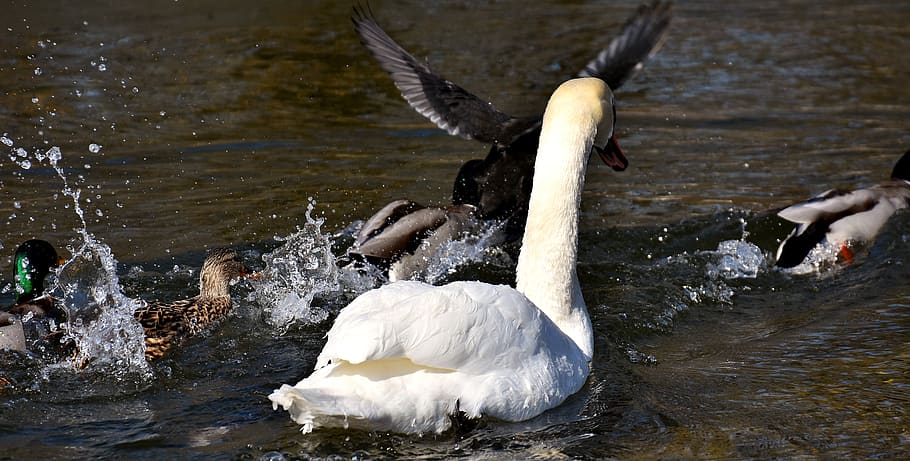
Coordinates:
(449, 106)
(461, 113)
(399, 233)
(641, 37)
(817, 216)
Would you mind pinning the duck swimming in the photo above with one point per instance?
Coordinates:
(166, 325)
(843, 218)
(499, 186)
(400, 237)
(408, 356)
(32, 263)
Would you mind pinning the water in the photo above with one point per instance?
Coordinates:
(189, 126)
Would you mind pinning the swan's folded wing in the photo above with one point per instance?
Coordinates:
(641, 37)
(449, 106)
(451, 327)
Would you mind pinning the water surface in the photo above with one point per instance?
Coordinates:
(220, 123)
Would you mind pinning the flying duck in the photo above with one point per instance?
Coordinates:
(499, 186)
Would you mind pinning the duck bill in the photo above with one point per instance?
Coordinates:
(612, 155)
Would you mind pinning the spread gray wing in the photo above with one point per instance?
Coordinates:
(446, 104)
(641, 37)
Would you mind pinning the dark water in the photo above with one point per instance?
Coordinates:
(221, 122)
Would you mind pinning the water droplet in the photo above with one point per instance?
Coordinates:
(38, 71)
(102, 67)
(21, 152)
(94, 148)
(99, 212)
(17, 204)
(35, 100)
(135, 90)
(54, 155)
(7, 141)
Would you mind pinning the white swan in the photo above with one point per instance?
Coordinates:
(406, 356)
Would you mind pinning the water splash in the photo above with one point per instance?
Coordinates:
(101, 322)
(100, 326)
(484, 247)
(820, 259)
(733, 259)
(302, 269)
(737, 259)
(106, 335)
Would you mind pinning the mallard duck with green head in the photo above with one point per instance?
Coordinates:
(32, 262)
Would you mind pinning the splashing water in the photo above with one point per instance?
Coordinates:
(738, 259)
(101, 321)
(100, 317)
(299, 271)
(484, 247)
(820, 259)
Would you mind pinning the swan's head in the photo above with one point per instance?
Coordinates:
(591, 98)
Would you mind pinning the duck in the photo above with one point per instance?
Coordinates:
(844, 218)
(412, 357)
(167, 324)
(497, 187)
(32, 263)
(402, 236)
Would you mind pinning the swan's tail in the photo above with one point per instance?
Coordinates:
(295, 402)
(319, 404)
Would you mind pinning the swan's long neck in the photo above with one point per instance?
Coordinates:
(546, 266)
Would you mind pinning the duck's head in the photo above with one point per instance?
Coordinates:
(596, 93)
(902, 168)
(220, 267)
(32, 262)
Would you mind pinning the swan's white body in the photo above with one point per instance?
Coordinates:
(406, 356)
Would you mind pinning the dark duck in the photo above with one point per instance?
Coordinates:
(497, 187)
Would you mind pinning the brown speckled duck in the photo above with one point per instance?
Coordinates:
(166, 325)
